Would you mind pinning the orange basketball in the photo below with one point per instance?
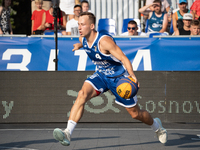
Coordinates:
(126, 88)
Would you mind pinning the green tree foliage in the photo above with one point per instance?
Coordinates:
(22, 20)
(20, 16)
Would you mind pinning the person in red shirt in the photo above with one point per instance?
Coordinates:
(48, 20)
(36, 18)
(196, 9)
(199, 29)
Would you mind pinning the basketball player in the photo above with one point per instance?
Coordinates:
(112, 65)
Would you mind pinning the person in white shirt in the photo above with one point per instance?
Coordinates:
(72, 25)
(67, 7)
(132, 30)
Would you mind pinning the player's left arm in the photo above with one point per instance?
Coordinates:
(164, 25)
(77, 46)
(108, 45)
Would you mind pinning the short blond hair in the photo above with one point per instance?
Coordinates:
(38, 1)
(91, 16)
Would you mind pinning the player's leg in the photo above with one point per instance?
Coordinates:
(92, 87)
(145, 117)
(86, 93)
(64, 19)
(135, 112)
(141, 115)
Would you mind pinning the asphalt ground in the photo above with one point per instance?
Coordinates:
(99, 136)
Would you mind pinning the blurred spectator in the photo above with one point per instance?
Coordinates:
(5, 25)
(46, 5)
(178, 15)
(72, 25)
(157, 20)
(132, 29)
(48, 19)
(67, 7)
(165, 7)
(185, 30)
(194, 27)
(37, 27)
(196, 9)
(85, 6)
(199, 29)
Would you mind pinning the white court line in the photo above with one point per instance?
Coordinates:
(18, 148)
(102, 129)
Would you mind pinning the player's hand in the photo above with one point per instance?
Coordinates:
(47, 25)
(154, 5)
(77, 46)
(135, 79)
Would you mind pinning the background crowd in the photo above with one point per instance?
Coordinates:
(159, 17)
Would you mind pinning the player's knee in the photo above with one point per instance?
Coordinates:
(82, 95)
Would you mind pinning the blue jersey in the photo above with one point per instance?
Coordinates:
(106, 64)
(155, 23)
(179, 16)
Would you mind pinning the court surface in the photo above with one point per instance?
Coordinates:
(99, 136)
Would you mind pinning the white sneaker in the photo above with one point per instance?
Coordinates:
(161, 132)
(62, 136)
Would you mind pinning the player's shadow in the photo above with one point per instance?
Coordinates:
(108, 146)
(117, 146)
(94, 138)
(186, 139)
(23, 144)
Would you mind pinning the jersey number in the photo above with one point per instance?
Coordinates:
(98, 56)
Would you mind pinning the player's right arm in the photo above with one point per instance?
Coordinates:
(77, 46)
(174, 22)
(108, 46)
(142, 10)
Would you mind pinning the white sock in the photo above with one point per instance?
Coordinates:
(155, 126)
(71, 126)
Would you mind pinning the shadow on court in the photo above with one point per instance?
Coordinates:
(117, 146)
(23, 144)
(94, 138)
(183, 139)
(101, 137)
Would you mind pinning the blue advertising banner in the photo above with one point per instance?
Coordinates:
(145, 54)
